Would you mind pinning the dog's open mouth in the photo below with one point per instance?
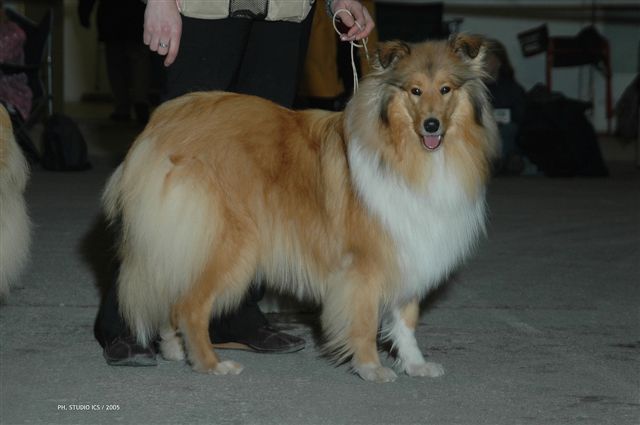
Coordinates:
(432, 141)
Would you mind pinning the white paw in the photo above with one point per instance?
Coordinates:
(428, 369)
(375, 373)
(171, 349)
(227, 367)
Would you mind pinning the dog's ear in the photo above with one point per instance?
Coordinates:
(466, 46)
(389, 53)
(470, 48)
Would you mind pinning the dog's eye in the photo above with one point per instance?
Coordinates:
(416, 91)
(444, 90)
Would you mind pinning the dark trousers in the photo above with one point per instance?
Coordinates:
(261, 58)
(252, 57)
(109, 324)
(128, 68)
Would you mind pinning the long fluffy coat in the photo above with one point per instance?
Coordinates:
(364, 211)
(14, 221)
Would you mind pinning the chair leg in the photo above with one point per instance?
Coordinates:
(609, 101)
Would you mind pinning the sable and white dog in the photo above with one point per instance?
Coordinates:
(365, 211)
(14, 221)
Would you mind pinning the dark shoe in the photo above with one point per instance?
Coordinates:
(125, 351)
(264, 339)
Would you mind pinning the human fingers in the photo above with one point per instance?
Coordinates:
(355, 17)
(174, 46)
(340, 12)
(151, 34)
(367, 24)
(162, 28)
(362, 21)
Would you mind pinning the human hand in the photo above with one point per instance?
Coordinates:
(163, 28)
(359, 28)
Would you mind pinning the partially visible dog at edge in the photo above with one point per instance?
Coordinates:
(364, 211)
(14, 221)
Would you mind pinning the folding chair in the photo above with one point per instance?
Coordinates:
(588, 47)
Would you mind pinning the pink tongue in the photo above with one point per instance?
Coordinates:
(431, 142)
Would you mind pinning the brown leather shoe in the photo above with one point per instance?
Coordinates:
(264, 339)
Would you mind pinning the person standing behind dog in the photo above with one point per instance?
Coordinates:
(255, 48)
(246, 52)
(128, 61)
(508, 99)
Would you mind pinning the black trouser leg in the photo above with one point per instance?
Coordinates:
(242, 321)
(273, 60)
(109, 323)
(140, 71)
(209, 57)
(261, 58)
(118, 72)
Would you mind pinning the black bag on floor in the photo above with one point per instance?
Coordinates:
(557, 136)
(64, 147)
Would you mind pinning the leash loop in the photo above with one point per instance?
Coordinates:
(353, 45)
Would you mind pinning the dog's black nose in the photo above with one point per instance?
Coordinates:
(431, 125)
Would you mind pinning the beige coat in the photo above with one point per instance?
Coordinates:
(277, 10)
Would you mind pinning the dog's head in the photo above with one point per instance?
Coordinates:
(430, 81)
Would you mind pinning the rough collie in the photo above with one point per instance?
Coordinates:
(364, 211)
(14, 222)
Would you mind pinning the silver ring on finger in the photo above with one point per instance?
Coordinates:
(163, 45)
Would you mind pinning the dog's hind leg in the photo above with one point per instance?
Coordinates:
(223, 283)
(194, 315)
(402, 334)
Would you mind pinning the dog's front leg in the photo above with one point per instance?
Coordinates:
(402, 333)
(350, 318)
(364, 331)
(363, 309)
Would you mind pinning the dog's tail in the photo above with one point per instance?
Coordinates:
(167, 228)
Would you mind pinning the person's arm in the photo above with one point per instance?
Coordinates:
(363, 24)
(163, 28)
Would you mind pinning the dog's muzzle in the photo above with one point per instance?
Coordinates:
(433, 137)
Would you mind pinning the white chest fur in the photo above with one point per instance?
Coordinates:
(433, 230)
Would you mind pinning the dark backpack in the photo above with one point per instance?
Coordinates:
(64, 147)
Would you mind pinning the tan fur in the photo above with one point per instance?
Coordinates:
(410, 314)
(14, 222)
(221, 188)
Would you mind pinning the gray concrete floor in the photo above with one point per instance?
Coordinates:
(542, 326)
